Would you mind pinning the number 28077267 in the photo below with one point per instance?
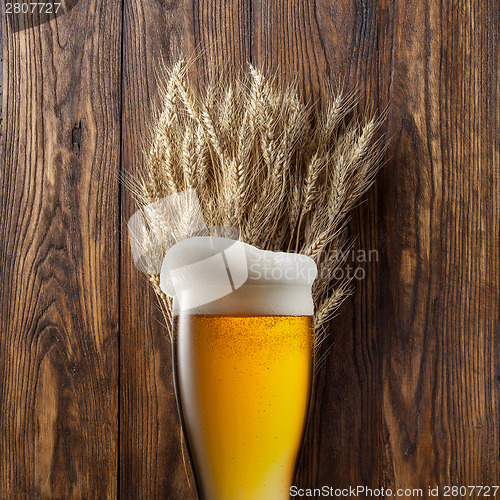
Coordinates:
(32, 7)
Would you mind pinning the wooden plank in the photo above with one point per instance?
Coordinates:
(152, 463)
(150, 453)
(1, 86)
(439, 213)
(59, 256)
(151, 458)
(315, 42)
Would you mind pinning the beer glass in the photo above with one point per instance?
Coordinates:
(243, 370)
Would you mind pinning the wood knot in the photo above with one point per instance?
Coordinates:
(76, 138)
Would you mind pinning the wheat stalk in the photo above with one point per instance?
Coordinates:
(282, 172)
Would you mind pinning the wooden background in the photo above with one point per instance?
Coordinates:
(409, 396)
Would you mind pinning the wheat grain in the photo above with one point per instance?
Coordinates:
(283, 172)
(327, 308)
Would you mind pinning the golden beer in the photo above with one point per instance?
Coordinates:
(242, 356)
(243, 385)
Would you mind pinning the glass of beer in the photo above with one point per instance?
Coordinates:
(242, 364)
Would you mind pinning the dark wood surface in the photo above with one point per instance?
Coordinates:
(59, 256)
(409, 395)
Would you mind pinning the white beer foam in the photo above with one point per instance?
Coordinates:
(212, 275)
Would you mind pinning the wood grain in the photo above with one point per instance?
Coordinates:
(439, 314)
(318, 41)
(151, 464)
(409, 395)
(58, 257)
